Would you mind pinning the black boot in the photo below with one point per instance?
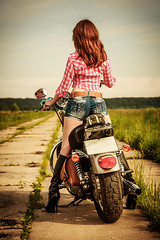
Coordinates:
(131, 198)
(54, 194)
(130, 178)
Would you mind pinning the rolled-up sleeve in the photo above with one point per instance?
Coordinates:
(108, 78)
(67, 79)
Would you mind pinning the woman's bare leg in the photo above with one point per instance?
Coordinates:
(69, 125)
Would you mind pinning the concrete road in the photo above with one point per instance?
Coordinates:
(20, 162)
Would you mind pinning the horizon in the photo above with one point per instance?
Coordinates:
(103, 97)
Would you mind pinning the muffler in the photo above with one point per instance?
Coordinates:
(131, 188)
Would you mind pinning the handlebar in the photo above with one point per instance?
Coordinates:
(43, 108)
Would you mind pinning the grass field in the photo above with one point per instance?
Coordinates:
(8, 119)
(140, 128)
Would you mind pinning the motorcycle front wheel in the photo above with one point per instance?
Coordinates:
(54, 154)
(108, 199)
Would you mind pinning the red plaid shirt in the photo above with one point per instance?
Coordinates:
(81, 76)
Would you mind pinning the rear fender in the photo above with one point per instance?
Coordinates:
(99, 147)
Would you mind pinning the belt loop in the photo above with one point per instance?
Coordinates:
(88, 93)
(73, 95)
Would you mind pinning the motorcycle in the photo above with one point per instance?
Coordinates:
(96, 168)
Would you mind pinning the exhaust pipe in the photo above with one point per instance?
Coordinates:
(131, 188)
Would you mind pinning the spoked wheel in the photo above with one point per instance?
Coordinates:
(108, 197)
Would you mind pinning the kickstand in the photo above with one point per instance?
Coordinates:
(75, 202)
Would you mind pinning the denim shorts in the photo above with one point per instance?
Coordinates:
(81, 107)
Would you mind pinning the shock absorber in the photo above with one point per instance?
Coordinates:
(79, 172)
(78, 167)
(125, 169)
(120, 163)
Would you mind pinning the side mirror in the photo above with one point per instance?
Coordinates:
(41, 93)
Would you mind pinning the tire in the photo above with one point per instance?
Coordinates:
(108, 201)
(54, 154)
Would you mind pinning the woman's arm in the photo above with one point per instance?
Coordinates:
(108, 78)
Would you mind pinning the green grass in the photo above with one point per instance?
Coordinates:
(35, 196)
(14, 118)
(149, 200)
(140, 128)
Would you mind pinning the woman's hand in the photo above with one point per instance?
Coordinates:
(49, 103)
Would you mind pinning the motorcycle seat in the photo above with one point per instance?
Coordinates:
(76, 137)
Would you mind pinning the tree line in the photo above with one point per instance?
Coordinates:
(9, 104)
(134, 103)
(15, 104)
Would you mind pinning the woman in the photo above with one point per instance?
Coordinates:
(83, 70)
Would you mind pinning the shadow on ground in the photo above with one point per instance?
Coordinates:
(13, 204)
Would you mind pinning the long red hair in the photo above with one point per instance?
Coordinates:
(87, 43)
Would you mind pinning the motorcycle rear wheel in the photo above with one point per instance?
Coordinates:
(109, 203)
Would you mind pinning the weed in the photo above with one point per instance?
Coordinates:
(149, 200)
(33, 204)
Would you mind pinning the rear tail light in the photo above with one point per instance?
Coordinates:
(107, 161)
(75, 157)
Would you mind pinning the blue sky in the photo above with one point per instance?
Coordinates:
(36, 40)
